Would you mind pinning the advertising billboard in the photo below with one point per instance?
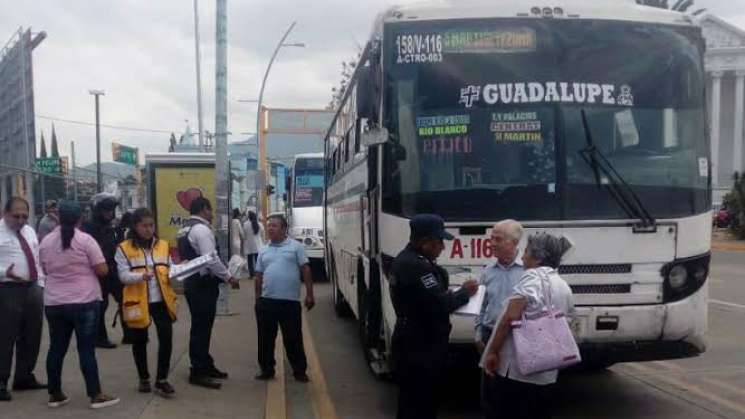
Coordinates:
(174, 190)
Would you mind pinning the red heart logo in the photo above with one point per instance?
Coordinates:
(185, 198)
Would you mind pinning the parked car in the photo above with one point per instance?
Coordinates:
(722, 218)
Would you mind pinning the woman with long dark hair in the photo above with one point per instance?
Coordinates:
(252, 240)
(73, 262)
(143, 261)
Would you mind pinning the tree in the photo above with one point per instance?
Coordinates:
(679, 5)
(735, 204)
(55, 149)
(43, 153)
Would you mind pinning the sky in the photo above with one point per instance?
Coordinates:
(141, 53)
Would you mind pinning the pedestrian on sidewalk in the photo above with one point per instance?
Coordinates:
(281, 268)
(21, 303)
(102, 229)
(196, 239)
(73, 263)
(49, 221)
(252, 240)
(144, 262)
(236, 233)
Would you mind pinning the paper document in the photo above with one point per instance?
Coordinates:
(185, 270)
(474, 304)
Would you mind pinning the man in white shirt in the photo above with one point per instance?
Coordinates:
(21, 299)
(202, 289)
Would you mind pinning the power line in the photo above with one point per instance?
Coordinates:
(91, 124)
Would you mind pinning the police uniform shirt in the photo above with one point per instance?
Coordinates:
(421, 296)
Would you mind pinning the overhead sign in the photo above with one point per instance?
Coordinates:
(51, 166)
(124, 154)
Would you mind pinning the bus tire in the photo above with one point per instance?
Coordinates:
(370, 318)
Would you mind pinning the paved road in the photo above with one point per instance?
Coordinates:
(711, 386)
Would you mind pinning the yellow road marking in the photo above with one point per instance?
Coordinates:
(724, 386)
(323, 408)
(276, 401)
(690, 388)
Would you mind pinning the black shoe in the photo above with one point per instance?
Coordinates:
(301, 378)
(215, 373)
(264, 376)
(106, 344)
(145, 386)
(205, 381)
(5, 395)
(164, 389)
(30, 384)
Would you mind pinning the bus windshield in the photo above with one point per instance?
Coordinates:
(485, 118)
(308, 182)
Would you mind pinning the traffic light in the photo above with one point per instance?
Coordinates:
(269, 189)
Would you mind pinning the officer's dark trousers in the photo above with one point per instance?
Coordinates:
(201, 296)
(21, 322)
(116, 292)
(270, 315)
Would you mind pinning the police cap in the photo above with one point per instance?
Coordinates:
(428, 225)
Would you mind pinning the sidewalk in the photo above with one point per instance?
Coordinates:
(722, 241)
(234, 349)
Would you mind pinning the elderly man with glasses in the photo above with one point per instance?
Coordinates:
(21, 302)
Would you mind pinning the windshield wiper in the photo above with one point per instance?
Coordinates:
(621, 191)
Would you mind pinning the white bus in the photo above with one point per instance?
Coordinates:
(583, 119)
(305, 206)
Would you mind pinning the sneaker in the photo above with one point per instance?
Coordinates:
(164, 389)
(301, 377)
(102, 400)
(145, 386)
(58, 399)
(204, 381)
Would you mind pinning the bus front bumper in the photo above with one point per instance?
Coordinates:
(630, 333)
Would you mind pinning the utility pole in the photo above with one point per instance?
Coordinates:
(222, 186)
(99, 183)
(74, 173)
(199, 75)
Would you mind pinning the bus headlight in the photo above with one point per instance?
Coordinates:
(308, 241)
(683, 277)
(677, 277)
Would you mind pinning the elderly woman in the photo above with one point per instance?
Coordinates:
(516, 395)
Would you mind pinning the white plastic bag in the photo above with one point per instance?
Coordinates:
(238, 267)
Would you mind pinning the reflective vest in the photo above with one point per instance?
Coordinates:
(135, 301)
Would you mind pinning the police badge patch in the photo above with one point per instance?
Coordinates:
(429, 281)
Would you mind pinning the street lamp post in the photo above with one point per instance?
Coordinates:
(260, 111)
(96, 94)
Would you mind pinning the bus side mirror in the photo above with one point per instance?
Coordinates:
(365, 93)
(375, 136)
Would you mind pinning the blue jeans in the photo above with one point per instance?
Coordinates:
(83, 320)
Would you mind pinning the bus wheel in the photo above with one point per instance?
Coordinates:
(370, 317)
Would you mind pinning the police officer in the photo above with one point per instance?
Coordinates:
(423, 303)
(101, 227)
(201, 290)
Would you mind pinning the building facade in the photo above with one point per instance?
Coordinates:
(725, 70)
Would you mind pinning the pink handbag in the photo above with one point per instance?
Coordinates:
(544, 342)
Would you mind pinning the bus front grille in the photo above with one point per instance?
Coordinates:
(619, 268)
(601, 289)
